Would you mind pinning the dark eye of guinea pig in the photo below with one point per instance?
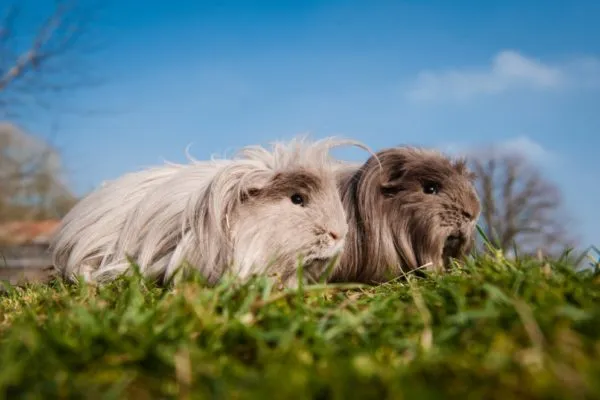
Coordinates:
(431, 187)
(297, 199)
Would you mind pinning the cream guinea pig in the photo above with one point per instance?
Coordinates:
(257, 213)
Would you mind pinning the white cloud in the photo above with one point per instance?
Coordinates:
(508, 70)
(527, 147)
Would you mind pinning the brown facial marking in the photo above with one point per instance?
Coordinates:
(285, 184)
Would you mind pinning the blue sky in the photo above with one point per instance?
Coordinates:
(219, 75)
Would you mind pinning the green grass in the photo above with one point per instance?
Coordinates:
(493, 329)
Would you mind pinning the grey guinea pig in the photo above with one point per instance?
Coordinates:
(407, 208)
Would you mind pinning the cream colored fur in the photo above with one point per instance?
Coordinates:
(221, 215)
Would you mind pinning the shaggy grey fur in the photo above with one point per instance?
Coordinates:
(407, 208)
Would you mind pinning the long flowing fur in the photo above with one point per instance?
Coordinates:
(396, 227)
(201, 213)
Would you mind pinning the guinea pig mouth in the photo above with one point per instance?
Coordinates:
(318, 260)
(453, 245)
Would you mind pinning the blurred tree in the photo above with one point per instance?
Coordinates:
(31, 186)
(43, 51)
(521, 210)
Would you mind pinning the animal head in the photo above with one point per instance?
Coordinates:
(276, 207)
(408, 208)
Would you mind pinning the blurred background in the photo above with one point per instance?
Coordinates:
(92, 90)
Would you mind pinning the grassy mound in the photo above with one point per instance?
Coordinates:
(492, 329)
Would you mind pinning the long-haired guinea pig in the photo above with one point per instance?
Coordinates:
(259, 213)
(407, 208)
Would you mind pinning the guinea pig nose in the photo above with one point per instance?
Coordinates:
(334, 235)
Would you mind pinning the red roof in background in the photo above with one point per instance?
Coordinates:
(27, 232)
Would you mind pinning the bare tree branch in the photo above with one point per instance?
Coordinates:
(520, 209)
(49, 63)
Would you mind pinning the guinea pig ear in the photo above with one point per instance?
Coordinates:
(461, 166)
(248, 193)
(392, 179)
(253, 186)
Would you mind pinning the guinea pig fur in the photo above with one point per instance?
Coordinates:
(407, 208)
(258, 213)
